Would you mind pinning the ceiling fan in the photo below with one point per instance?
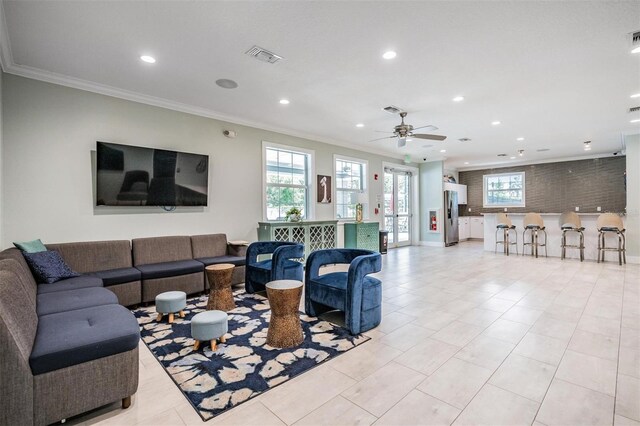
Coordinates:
(405, 131)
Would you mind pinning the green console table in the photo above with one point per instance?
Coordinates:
(315, 235)
(363, 235)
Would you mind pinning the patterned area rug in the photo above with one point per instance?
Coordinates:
(243, 367)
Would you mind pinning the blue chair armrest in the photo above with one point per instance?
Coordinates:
(319, 258)
(263, 247)
(282, 253)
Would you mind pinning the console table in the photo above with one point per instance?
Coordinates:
(315, 235)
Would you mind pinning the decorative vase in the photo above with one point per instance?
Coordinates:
(294, 218)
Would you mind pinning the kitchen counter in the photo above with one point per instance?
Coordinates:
(554, 233)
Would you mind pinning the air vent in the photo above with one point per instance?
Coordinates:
(391, 109)
(263, 54)
(502, 155)
(634, 109)
(635, 38)
(543, 150)
(464, 140)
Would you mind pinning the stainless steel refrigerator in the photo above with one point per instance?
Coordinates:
(451, 218)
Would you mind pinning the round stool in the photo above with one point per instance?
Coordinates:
(220, 294)
(209, 326)
(171, 302)
(285, 330)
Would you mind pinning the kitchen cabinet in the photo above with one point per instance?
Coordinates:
(476, 227)
(463, 228)
(460, 189)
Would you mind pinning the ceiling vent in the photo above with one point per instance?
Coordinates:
(391, 109)
(502, 155)
(464, 140)
(635, 39)
(543, 150)
(263, 54)
(634, 109)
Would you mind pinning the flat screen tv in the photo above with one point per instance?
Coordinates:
(137, 176)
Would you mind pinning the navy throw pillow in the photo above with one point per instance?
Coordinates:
(48, 266)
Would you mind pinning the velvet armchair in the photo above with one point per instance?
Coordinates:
(279, 267)
(356, 294)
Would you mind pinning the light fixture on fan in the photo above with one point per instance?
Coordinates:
(404, 132)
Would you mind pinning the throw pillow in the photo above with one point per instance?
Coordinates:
(48, 266)
(34, 246)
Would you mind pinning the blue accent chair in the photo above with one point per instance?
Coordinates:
(279, 267)
(353, 292)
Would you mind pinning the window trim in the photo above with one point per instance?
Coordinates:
(484, 190)
(365, 185)
(310, 201)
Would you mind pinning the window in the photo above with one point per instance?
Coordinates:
(351, 177)
(287, 181)
(504, 190)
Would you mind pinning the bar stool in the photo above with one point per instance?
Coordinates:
(505, 225)
(533, 223)
(570, 222)
(611, 223)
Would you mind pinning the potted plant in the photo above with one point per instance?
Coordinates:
(294, 214)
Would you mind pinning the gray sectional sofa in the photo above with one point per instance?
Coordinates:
(70, 346)
(67, 347)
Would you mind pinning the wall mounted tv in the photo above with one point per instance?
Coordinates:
(136, 176)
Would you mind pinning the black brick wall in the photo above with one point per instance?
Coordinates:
(558, 187)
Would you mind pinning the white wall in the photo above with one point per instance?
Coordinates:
(431, 197)
(50, 133)
(1, 160)
(632, 223)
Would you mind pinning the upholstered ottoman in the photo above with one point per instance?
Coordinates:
(171, 302)
(209, 326)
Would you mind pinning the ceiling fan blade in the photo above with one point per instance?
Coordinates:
(431, 137)
(430, 127)
(386, 137)
(402, 142)
(382, 131)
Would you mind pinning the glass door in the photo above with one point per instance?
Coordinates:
(397, 207)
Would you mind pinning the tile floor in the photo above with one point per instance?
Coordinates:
(468, 337)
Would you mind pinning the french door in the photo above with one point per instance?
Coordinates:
(397, 207)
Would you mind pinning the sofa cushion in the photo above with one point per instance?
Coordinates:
(34, 246)
(117, 276)
(170, 269)
(69, 338)
(92, 256)
(331, 290)
(147, 251)
(210, 245)
(64, 301)
(83, 281)
(48, 266)
(234, 260)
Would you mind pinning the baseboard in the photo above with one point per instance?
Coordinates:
(633, 259)
(431, 243)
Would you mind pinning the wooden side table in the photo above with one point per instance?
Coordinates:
(220, 294)
(285, 330)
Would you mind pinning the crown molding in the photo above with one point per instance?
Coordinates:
(528, 163)
(8, 66)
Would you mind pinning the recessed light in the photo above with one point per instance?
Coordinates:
(359, 125)
(636, 50)
(458, 99)
(284, 101)
(148, 59)
(637, 95)
(495, 123)
(520, 139)
(443, 150)
(512, 158)
(466, 162)
(587, 145)
(637, 120)
(521, 152)
(225, 83)
(389, 55)
(408, 139)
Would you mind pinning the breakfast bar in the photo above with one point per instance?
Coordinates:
(554, 234)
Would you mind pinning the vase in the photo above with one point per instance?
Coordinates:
(294, 218)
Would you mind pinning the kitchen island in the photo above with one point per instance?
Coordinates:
(554, 234)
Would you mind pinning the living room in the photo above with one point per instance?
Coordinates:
(484, 89)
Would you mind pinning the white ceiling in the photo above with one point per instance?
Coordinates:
(555, 73)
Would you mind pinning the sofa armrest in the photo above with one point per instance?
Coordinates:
(237, 248)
